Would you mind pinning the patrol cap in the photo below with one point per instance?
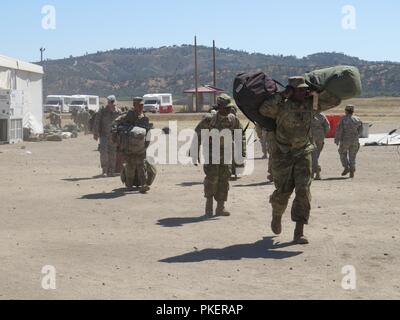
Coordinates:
(138, 99)
(298, 82)
(224, 101)
(111, 98)
(350, 108)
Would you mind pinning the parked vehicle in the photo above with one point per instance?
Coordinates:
(80, 102)
(158, 102)
(57, 103)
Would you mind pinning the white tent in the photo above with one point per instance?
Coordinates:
(27, 77)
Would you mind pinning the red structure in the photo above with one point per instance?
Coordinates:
(333, 121)
(203, 90)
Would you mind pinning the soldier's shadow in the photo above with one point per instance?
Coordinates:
(263, 249)
(84, 179)
(117, 193)
(256, 184)
(180, 222)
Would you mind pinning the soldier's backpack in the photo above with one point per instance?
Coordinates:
(344, 82)
(151, 175)
(132, 139)
(250, 90)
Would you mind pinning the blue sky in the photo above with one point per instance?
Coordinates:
(272, 27)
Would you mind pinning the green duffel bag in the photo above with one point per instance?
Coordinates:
(343, 82)
(151, 175)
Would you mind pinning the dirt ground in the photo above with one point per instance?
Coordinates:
(107, 243)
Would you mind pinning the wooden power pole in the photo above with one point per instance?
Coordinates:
(42, 50)
(214, 71)
(196, 75)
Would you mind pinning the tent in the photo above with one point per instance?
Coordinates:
(26, 78)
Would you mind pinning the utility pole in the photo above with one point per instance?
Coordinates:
(196, 75)
(214, 72)
(42, 49)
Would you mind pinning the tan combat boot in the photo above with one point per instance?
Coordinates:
(209, 207)
(318, 176)
(276, 224)
(299, 237)
(352, 172)
(221, 211)
(144, 189)
(345, 172)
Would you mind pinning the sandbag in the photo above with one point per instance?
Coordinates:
(344, 82)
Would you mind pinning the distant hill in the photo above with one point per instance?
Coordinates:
(137, 71)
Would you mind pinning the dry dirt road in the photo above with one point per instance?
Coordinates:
(106, 243)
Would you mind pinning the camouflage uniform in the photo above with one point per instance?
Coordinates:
(347, 137)
(84, 118)
(319, 128)
(55, 119)
(216, 182)
(108, 148)
(291, 157)
(135, 163)
(262, 135)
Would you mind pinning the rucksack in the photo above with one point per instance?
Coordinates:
(132, 139)
(250, 90)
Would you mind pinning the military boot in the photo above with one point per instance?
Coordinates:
(299, 237)
(352, 172)
(317, 176)
(209, 207)
(345, 172)
(144, 189)
(221, 211)
(276, 224)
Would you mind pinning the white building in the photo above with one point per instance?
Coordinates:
(21, 86)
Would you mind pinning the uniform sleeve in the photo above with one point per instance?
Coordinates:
(327, 126)
(270, 107)
(360, 127)
(339, 132)
(96, 125)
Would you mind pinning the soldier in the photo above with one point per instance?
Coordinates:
(84, 118)
(216, 182)
(319, 128)
(293, 110)
(347, 138)
(262, 136)
(102, 130)
(74, 116)
(135, 162)
(55, 119)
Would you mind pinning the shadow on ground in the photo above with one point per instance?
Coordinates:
(190, 184)
(85, 179)
(257, 184)
(263, 249)
(117, 193)
(335, 179)
(180, 222)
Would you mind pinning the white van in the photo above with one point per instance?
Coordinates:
(80, 102)
(158, 102)
(57, 103)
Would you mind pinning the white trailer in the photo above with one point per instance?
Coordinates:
(80, 102)
(57, 103)
(21, 99)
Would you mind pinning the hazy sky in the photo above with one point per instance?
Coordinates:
(272, 27)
